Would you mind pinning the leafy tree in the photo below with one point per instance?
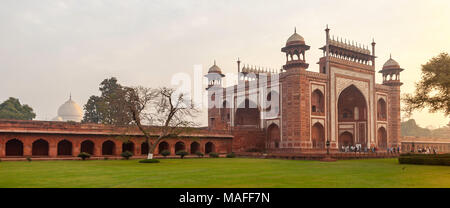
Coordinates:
(433, 90)
(108, 108)
(12, 109)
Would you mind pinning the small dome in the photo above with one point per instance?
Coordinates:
(70, 111)
(295, 38)
(391, 63)
(215, 69)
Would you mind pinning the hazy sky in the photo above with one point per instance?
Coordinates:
(51, 48)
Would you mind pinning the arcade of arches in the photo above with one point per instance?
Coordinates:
(66, 147)
(23, 142)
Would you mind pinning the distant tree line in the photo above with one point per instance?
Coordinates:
(410, 128)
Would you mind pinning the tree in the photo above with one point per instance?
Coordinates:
(169, 113)
(108, 108)
(433, 90)
(12, 109)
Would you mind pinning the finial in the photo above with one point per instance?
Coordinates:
(214, 61)
(70, 96)
(295, 29)
(390, 56)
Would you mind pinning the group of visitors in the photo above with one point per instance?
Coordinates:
(427, 150)
(357, 148)
(393, 149)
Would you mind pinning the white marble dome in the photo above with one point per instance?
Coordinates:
(70, 111)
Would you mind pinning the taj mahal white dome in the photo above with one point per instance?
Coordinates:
(69, 111)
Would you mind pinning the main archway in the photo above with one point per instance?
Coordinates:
(352, 110)
(40, 148)
(14, 147)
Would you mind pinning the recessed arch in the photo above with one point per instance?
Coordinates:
(195, 147)
(273, 132)
(346, 139)
(87, 146)
(40, 147)
(382, 138)
(318, 136)
(163, 146)
(64, 148)
(210, 147)
(317, 102)
(180, 146)
(108, 148)
(144, 148)
(352, 99)
(14, 147)
(128, 146)
(381, 109)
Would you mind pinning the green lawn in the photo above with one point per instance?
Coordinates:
(222, 172)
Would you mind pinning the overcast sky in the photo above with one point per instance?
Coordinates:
(51, 48)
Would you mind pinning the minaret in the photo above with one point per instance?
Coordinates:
(214, 96)
(214, 76)
(391, 77)
(295, 52)
(391, 73)
(294, 83)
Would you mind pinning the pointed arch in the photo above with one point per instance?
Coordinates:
(351, 99)
(87, 146)
(273, 132)
(108, 148)
(64, 148)
(318, 136)
(14, 147)
(40, 147)
(382, 138)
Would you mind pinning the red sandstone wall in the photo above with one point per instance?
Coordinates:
(246, 138)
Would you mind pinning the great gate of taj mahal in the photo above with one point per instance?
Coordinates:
(341, 104)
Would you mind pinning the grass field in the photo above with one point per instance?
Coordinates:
(222, 172)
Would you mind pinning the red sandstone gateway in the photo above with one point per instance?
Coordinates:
(56, 139)
(341, 104)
